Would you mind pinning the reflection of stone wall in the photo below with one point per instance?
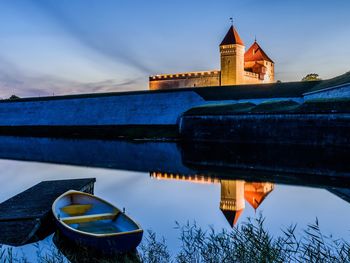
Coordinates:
(194, 178)
(182, 80)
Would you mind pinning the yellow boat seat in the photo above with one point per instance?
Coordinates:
(89, 218)
(76, 210)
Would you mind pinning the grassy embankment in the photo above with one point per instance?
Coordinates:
(340, 105)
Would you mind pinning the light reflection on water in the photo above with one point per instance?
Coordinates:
(157, 203)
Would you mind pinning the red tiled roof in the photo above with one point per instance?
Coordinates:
(255, 53)
(254, 198)
(232, 38)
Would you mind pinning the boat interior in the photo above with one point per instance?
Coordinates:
(88, 214)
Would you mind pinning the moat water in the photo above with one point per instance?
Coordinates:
(162, 183)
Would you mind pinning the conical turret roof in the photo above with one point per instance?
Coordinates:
(232, 38)
(232, 216)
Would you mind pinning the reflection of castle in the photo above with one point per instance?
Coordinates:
(234, 193)
(237, 67)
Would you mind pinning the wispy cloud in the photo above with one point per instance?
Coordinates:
(111, 48)
(15, 81)
(51, 53)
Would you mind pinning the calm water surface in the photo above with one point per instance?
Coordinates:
(165, 189)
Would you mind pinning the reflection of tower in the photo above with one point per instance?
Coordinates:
(255, 193)
(232, 201)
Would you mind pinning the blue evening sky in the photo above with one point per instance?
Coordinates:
(81, 46)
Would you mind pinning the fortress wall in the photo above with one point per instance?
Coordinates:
(204, 79)
(300, 129)
(251, 78)
(161, 108)
(130, 108)
(342, 91)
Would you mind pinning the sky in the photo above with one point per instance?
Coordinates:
(50, 47)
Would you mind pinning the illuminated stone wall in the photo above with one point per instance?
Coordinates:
(270, 72)
(255, 78)
(251, 78)
(138, 108)
(183, 80)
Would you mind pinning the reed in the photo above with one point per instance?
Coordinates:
(250, 241)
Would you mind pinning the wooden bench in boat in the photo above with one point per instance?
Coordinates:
(89, 218)
(77, 209)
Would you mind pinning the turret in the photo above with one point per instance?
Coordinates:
(256, 61)
(232, 58)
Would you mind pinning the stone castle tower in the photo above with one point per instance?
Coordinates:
(237, 67)
(232, 59)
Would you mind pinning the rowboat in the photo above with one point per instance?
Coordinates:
(92, 222)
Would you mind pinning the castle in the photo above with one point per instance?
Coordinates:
(237, 67)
